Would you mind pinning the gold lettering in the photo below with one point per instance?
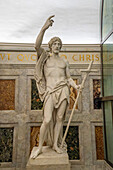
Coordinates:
(20, 59)
(92, 57)
(32, 57)
(8, 56)
(2, 56)
(97, 57)
(26, 57)
(88, 57)
(63, 55)
(73, 57)
(81, 57)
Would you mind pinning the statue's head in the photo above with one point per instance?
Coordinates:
(53, 40)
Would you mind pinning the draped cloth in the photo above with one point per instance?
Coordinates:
(39, 75)
(57, 94)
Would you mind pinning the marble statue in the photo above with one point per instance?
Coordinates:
(53, 82)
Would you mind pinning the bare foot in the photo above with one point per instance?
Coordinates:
(58, 150)
(36, 153)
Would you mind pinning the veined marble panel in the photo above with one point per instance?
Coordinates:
(72, 141)
(36, 103)
(96, 93)
(73, 95)
(7, 94)
(99, 142)
(6, 144)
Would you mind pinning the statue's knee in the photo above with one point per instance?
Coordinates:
(59, 119)
(46, 122)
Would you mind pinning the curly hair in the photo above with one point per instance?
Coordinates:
(52, 40)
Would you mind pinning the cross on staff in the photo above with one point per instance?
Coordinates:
(80, 90)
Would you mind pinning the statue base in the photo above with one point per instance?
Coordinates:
(48, 160)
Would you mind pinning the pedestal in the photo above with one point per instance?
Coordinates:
(48, 160)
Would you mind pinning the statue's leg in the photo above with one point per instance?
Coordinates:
(59, 121)
(48, 109)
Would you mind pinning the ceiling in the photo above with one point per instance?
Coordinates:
(76, 21)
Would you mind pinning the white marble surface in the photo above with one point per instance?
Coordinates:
(48, 159)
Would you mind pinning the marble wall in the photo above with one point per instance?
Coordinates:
(21, 108)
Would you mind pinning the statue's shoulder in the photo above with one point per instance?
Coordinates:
(65, 61)
(42, 54)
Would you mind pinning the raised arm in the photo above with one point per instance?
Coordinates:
(48, 23)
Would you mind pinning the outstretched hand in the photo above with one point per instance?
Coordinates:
(48, 23)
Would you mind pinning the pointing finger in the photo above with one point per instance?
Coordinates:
(51, 17)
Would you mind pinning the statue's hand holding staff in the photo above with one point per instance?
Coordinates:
(48, 23)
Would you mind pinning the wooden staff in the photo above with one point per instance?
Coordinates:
(80, 90)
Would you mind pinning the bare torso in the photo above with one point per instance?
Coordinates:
(54, 71)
